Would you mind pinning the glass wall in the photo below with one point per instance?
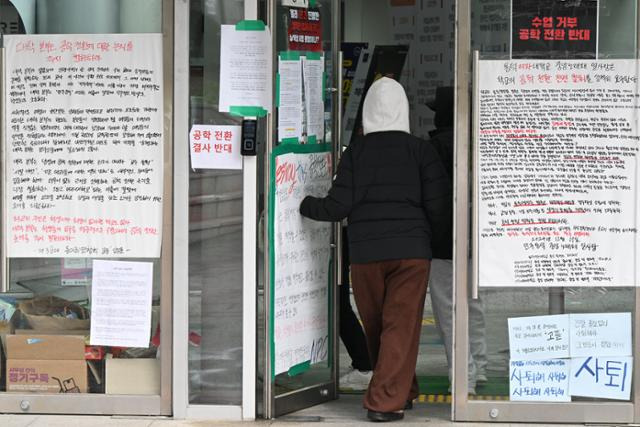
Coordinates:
(489, 337)
(52, 296)
(215, 226)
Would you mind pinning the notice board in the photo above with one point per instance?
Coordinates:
(556, 146)
(299, 259)
(84, 153)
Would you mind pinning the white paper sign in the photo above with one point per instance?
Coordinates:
(601, 334)
(215, 147)
(602, 377)
(313, 73)
(296, 3)
(539, 337)
(121, 303)
(557, 173)
(84, 145)
(539, 380)
(301, 261)
(290, 108)
(245, 68)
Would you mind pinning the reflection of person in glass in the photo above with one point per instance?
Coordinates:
(396, 194)
(441, 279)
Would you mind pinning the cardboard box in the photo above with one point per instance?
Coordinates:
(45, 347)
(132, 376)
(46, 376)
(46, 364)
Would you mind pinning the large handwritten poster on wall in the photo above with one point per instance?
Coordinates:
(83, 146)
(300, 257)
(557, 173)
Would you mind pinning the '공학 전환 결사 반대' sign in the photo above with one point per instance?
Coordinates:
(84, 152)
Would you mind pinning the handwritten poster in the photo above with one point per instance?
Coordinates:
(539, 337)
(245, 68)
(556, 151)
(121, 303)
(300, 258)
(601, 334)
(215, 147)
(602, 377)
(539, 380)
(290, 108)
(84, 152)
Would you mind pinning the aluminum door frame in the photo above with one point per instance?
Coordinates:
(182, 408)
(464, 409)
(274, 406)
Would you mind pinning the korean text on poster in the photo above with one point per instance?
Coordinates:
(121, 294)
(300, 257)
(600, 334)
(557, 173)
(84, 145)
(305, 30)
(539, 337)
(539, 380)
(215, 147)
(245, 68)
(602, 377)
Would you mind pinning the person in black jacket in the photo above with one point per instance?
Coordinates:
(441, 275)
(395, 192)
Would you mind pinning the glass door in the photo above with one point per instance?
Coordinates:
(548, 293)
(299, 287)
(85, 292)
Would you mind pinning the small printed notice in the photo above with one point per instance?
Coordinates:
(601, 334)
(313, 74)
(557, 173)
(290, 108)
(245, 68)
(84, 145)
(121, 303)
(539, 337)
(539, 380)
(300, 257)
(602, 377)
(215, 147)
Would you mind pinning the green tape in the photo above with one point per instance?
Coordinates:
(313, 56)
(312, 139)
(290, 55)
(312, 3)
(247, 111)
(278, 90)
(290, 141)
(299, 368)
(250, 26)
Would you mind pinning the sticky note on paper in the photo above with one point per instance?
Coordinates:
(539, 380)
(539, 337)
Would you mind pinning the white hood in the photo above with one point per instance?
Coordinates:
(386, 107)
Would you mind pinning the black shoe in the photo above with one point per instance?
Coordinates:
(384, 416)
(408, 405)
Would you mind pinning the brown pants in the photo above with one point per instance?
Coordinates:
(390, 298)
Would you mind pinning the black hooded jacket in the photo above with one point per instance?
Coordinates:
(394, 191)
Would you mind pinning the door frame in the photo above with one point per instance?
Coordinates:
(273, 405)
(464, 409)
(182, 408)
